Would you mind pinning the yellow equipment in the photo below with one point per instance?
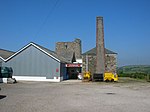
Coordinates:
(109, 76)
(87, 76)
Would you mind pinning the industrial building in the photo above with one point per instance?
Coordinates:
(110, 61)
(37, 63)
(71, 51)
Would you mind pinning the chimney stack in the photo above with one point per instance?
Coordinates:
(100, 49)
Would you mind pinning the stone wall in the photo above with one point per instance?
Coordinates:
(68, 49)
(91, 63)
(110, 63)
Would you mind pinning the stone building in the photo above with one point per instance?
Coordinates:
(69, 50)
(89, 60)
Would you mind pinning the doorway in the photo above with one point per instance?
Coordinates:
(73, 72)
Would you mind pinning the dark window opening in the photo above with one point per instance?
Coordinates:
(73, 57)
(66, 45)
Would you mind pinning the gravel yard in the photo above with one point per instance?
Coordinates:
(75, 96)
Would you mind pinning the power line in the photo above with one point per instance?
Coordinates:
(45, 20)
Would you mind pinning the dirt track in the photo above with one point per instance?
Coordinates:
(75, 96)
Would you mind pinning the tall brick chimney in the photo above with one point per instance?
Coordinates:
(100, 49)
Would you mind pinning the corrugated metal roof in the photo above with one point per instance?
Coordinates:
(53, 53)
(93, 52)
(5, 53)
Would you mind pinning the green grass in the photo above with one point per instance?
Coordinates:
(129, 80)
(134, 71)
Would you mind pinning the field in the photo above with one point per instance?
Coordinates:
(135, 71)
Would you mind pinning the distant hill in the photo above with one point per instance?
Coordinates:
(134, 69)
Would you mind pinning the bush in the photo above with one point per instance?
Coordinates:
(124, 75)
(133, 75)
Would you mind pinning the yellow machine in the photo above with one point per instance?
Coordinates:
(109, 76)
(87, 76)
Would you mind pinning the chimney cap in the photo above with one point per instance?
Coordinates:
(99, 17)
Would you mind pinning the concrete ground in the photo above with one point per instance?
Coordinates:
(74, 96)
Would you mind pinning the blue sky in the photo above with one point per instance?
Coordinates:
(45, 22)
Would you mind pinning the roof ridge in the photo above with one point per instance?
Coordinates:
(93, 51)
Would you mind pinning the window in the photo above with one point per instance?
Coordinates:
(66, 45)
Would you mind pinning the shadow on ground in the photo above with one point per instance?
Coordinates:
(2, 96)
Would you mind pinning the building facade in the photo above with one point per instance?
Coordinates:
(89, 61)
(36, 63)
(69, 50)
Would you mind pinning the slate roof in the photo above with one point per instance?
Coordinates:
(5, 53)
(93, 52)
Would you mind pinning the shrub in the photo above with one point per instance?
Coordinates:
(133, 75)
